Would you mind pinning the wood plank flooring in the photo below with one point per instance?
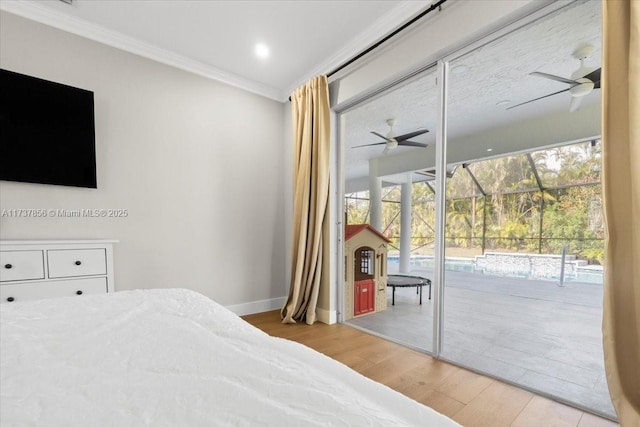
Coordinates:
(469, 398)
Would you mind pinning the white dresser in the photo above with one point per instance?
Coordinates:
(35, 269)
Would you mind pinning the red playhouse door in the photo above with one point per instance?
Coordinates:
(363, 297)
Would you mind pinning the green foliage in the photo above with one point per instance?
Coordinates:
(509, 217)
(357, 208)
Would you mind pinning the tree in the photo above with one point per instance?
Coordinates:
(510, 213)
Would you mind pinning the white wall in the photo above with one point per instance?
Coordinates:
(198, 165)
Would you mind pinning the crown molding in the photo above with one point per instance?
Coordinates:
(32, 10)
(400, 14)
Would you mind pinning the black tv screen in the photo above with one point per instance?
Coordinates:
(47, 132)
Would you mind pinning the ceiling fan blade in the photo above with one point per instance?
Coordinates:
(368, 145)
(546, 96)
(381, 136)
(412, 144)
(575, 103)
(386, 150)
(594, 76)
(552, 77)
(410, 135)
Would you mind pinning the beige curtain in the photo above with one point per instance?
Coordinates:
(310, 114)
(621, 193)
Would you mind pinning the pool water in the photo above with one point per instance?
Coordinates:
(426, 262)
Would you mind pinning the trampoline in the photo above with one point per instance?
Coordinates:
(407, 281)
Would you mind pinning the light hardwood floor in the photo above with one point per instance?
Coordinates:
(469, 398)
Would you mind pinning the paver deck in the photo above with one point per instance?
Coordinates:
(529, 332)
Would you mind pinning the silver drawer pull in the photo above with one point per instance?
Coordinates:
(78, 262)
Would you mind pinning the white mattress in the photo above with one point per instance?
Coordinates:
(174, 357)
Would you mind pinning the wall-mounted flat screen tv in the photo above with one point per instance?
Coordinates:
(47, 132)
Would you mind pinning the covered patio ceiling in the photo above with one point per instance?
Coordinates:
(483, 84)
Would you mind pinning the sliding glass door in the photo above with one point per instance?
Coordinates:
(473, 187)
(389, 145)
(523, 232)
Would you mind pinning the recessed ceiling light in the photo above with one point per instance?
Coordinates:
(262, 50)
(489, 149)
(503, 103)
(459, 69)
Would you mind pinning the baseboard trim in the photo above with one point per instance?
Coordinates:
(327, 316)
(257, 306)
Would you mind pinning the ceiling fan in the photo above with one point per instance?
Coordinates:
(392, 141)
(582, 81)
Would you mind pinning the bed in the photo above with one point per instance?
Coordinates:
(174, 357)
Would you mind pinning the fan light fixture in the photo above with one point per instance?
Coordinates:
(583, 88)
(392, 140)
(582, 53)
(582, 82)
(391, 123)
(582, 71)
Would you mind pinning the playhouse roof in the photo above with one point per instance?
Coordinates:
(353, 229)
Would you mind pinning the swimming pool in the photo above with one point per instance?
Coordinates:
(582, 275)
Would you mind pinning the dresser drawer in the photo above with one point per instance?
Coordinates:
(21, 265)
(76, 262)
(53, 289)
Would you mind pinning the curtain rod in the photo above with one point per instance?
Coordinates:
(434, 6)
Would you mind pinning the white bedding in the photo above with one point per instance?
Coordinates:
(174, 357)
